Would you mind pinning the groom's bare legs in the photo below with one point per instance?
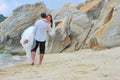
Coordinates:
(33, 57)
(41, 58)
(33, 51)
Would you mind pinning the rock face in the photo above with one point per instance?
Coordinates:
(94, 24)
(11, 29)
(106, 31)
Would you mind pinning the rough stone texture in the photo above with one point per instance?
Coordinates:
(106, 32)
(60, 13)
(22, 17)
(94, 24)
(61, 39)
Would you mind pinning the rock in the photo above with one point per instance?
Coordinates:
(22, 17)
(107, 32)
(93, 24)
(61, 40)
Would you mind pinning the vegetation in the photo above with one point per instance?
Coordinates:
(2, 18)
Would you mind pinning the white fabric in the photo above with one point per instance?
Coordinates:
(28, 34)
(41, 28)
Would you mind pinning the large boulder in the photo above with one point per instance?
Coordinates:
(22, 17)
(106, 32)
(89, 25)
(61, 39)
(60, 13)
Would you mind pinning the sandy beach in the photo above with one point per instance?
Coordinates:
(80, 65)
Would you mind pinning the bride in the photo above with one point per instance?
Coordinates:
(27, 39)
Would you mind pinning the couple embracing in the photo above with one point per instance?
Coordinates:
(40, 29)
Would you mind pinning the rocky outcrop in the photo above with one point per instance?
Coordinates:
(106, 31)
(11, 29)
(93, 24)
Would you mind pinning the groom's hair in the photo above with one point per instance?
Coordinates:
(43, 15)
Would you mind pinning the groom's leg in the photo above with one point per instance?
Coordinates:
(42, 51)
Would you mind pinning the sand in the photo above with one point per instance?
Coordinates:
(80, 65)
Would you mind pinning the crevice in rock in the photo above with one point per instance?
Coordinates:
(109, 17)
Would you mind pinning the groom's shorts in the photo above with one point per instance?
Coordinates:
(39, 44)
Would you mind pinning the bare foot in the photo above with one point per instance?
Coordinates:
(32, 63)
(40, 63)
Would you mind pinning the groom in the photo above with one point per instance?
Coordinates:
(40, 32)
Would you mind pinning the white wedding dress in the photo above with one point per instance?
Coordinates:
(28, 34)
